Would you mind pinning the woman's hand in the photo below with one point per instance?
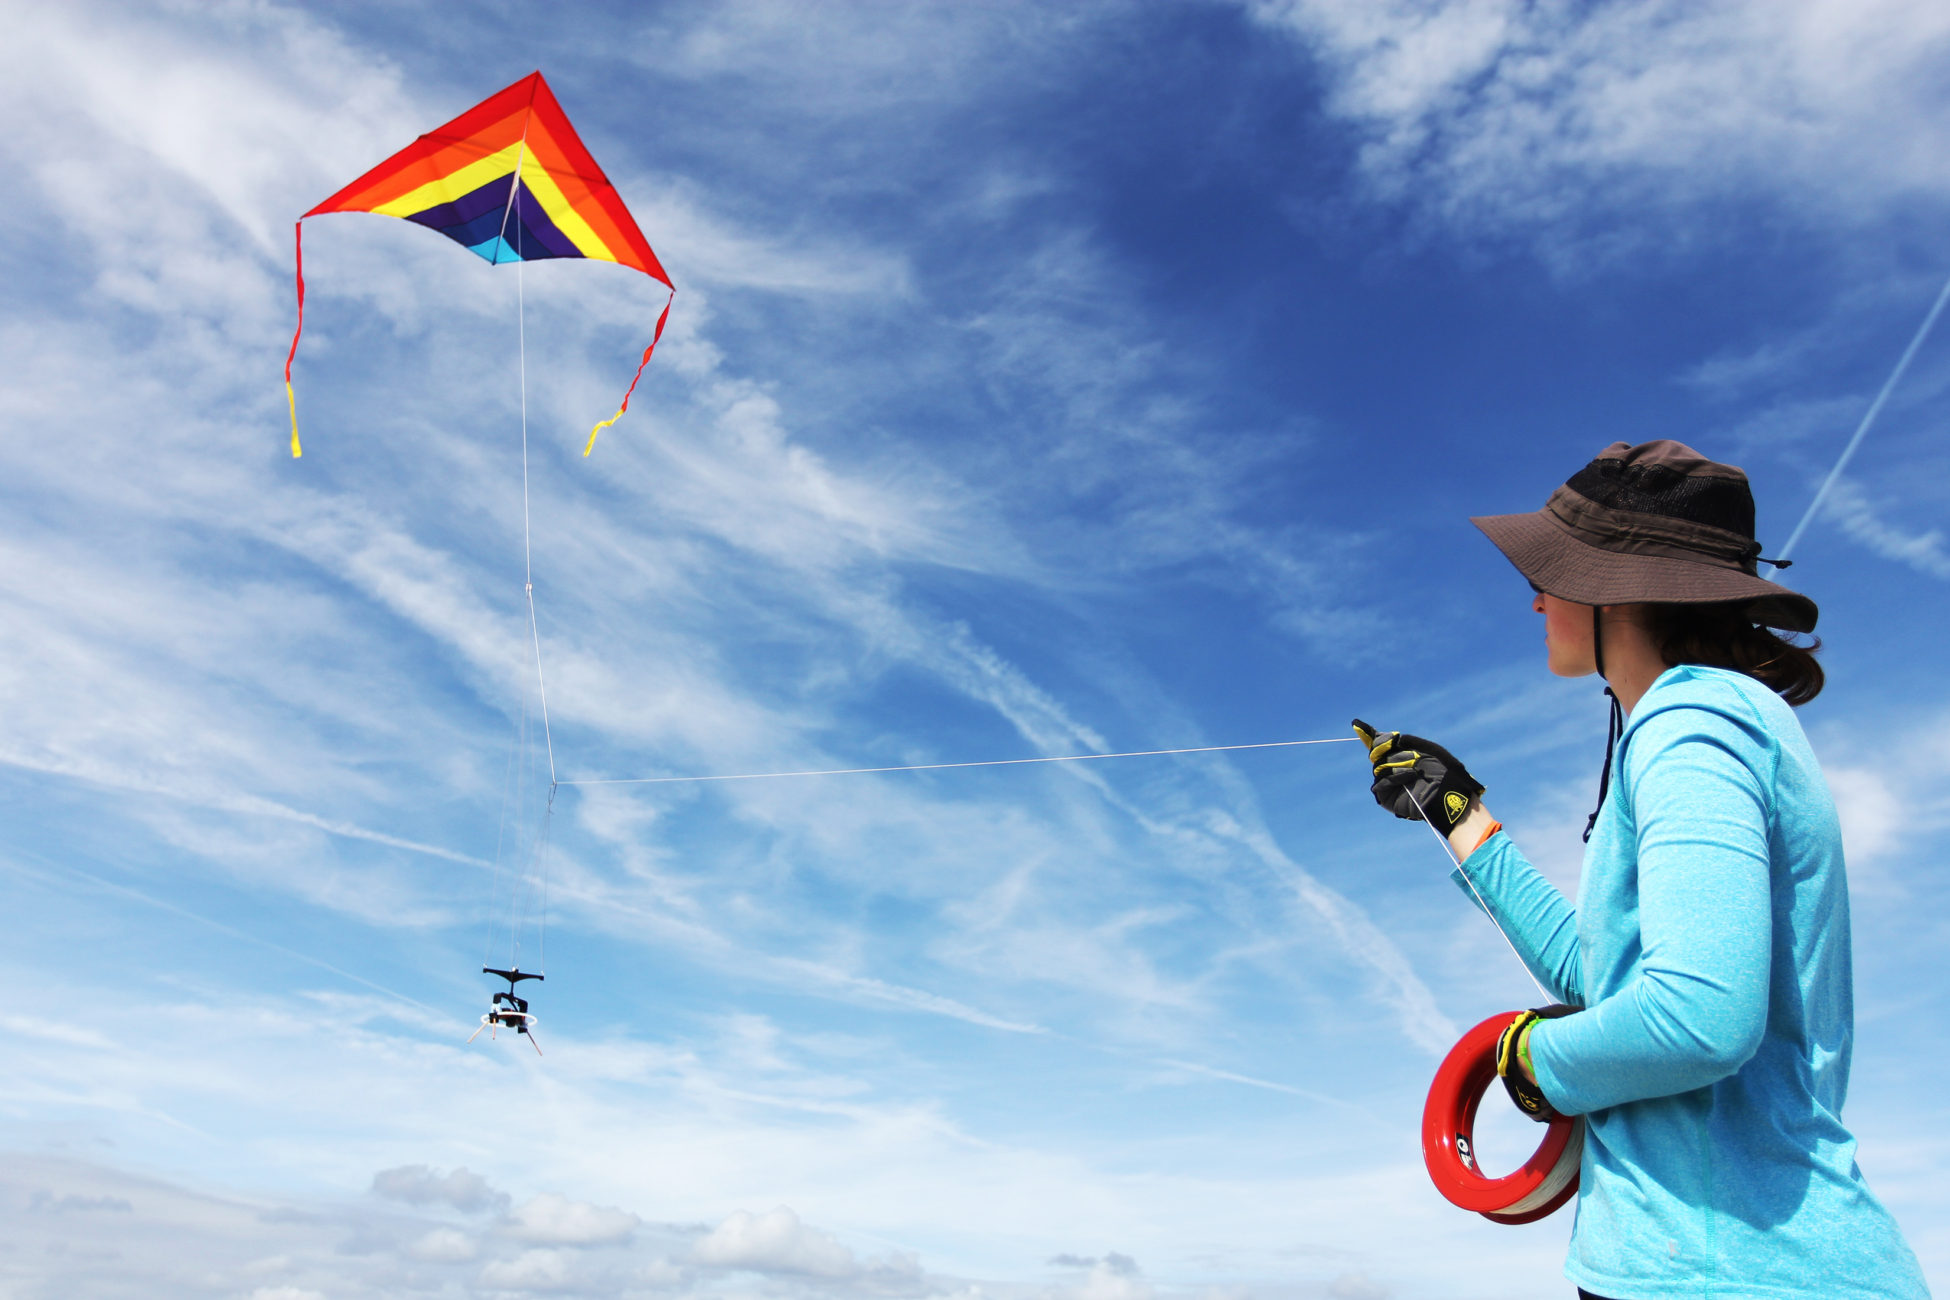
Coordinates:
(1419, 780)
(1513, 1062)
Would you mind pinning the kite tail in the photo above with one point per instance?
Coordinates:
(632, 388)
(291, 398)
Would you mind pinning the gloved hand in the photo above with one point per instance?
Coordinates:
(1513, 1062)
(1410, 772)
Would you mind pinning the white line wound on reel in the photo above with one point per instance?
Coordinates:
(1544, 1182)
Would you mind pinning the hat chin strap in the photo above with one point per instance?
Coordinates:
(1614, 728)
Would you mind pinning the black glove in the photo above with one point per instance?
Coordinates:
(1410, 772)
(1513, 1054)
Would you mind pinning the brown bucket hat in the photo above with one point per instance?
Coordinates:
(1653, 523)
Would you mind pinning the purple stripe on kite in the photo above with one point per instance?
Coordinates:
(480, 230)
(491, 197)
(476, 218)
(538, 233)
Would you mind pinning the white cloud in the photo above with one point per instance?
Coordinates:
(1357, 1286)
(663, 1275)
(777, 1244)
(536, 1271)
(774, 1242)
(740, 578)
(1888, 809)
(1849, 507)
(1734, 373)
(42, 1202)
(730, 520)
(717, 253)
(1874, 814)
(1112, 1277)
(1563, 118)
(445, 1246)
(837, 65)
(1108, 1282)
(555, 1220)
(462, 1189)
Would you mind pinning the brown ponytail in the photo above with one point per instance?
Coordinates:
(1721, 636)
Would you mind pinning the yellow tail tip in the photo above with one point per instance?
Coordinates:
(591, 446)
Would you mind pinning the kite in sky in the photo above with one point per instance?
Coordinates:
(511, 180)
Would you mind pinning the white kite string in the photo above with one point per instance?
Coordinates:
(1450, 853)
(527, 547)
(1875, 409)
(936, 767)
(522, 889)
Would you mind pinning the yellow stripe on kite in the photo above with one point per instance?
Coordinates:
(560, 210)
(455, 184)
(566, 218)
(465, 180)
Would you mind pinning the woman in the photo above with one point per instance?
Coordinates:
(1709, 948)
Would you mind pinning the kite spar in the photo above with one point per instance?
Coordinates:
(510, 180)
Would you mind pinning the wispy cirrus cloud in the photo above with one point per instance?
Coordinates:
(1849, 507)
(1497, 116)
(729, 518)
(922, 472)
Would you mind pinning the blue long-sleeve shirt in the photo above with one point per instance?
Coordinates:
(1710, 948)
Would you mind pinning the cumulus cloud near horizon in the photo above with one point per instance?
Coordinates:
(778, 1244)
(774, 1242)
(444, 1246)
(462, 1189)
(555, 1220)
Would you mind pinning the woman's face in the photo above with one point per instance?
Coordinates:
(1567, 635)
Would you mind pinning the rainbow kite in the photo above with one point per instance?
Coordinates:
(511, 180)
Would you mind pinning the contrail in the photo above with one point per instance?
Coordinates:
(1875, 409)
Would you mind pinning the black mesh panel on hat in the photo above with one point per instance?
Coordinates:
(1655, 489)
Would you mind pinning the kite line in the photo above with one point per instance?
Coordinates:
(1449, 852)
(527, 545)
(936, 767)
(532, 876)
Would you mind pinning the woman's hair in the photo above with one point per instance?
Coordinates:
(1721, 636)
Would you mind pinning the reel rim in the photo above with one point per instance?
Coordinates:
(1540, 1186)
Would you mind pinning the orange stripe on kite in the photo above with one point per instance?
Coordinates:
(578, 196)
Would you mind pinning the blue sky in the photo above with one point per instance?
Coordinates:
(1042, 379)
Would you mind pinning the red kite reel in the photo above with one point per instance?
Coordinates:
(1545, 1182)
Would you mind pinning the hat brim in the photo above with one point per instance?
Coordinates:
(1557, 561)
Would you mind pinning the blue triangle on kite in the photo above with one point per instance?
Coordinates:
(496, 250)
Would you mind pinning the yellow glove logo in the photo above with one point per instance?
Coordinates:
(1455, 804)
